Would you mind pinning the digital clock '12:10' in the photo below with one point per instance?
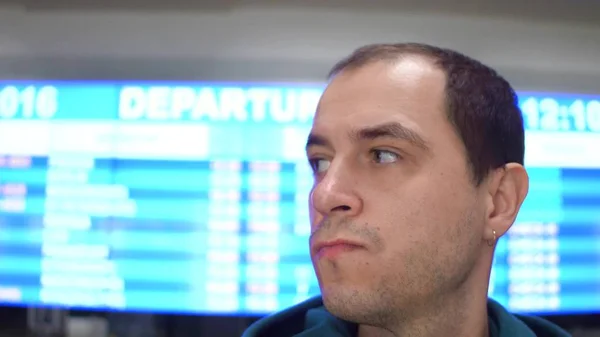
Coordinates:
(560, 114)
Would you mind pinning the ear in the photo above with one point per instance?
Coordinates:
(507, 190)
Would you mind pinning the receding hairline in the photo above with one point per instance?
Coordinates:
(385, 53)
(479, 101)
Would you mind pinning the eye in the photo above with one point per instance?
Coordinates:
(385, 156)
(319, 165)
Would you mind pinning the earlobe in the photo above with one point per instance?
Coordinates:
(508, 193)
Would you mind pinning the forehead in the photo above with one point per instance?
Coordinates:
(410, 91)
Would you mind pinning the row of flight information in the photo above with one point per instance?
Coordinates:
(191, 197)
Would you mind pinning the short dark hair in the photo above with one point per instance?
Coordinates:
(481, 105)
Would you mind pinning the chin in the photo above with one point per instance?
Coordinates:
(345, 303)
(357, 305)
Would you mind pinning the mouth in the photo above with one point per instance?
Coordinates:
(331, 249)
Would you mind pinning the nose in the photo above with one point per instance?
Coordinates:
(336, 193)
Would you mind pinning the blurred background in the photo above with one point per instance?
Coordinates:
(152, 172)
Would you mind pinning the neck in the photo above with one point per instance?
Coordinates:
(461, 313)
(459, 317)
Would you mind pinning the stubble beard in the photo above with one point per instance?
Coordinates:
(427, 278)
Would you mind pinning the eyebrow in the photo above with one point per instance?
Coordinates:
(387, 130)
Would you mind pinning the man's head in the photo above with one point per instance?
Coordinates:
(417, 153)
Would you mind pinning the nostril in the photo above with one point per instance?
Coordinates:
(341, 208)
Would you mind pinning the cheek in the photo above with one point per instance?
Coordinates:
(428, 212)
(424, 233)
(314, 217)
(413, 221)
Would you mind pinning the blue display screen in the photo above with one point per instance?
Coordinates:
(192, 198)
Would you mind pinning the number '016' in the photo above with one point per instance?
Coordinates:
(28, 102)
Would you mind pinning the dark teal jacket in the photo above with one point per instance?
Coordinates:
(310, 319)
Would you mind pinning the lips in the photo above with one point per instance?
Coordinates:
(334, 247)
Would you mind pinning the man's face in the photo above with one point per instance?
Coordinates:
(391, 176)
